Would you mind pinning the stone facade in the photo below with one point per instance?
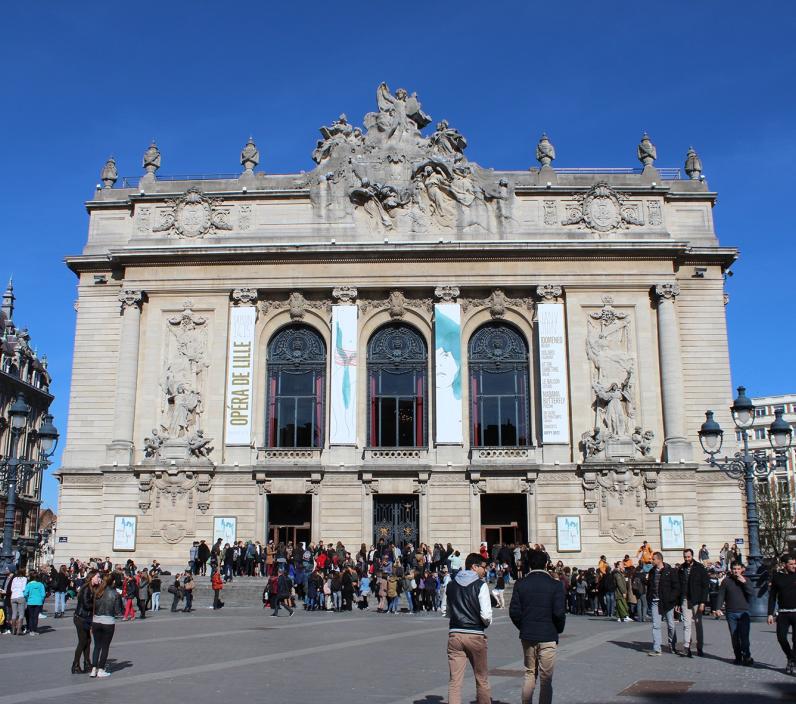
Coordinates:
(624, 268)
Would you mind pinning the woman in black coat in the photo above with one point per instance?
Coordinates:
(84, 609)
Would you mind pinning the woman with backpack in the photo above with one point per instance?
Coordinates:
(84, 613)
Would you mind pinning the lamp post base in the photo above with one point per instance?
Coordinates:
(757, 574)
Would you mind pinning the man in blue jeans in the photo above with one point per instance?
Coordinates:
(663, 594)
(735, 592)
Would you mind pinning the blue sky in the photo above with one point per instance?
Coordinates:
(201, 76)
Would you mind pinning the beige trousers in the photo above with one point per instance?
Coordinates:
(464, 647)
(540, 661)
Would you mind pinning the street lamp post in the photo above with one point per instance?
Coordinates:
(15, 469)
(749, 466)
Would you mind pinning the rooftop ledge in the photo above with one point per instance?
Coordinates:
(505, 249)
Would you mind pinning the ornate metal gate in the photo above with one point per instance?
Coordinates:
(396, 519)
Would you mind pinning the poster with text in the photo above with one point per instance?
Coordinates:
(448, 372)
(240, 376)
(553, 373)
(672, 532)
(226, 528)
(568, 533)
(124, 528)
(343, 403)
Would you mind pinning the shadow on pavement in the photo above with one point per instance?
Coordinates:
(116, 665)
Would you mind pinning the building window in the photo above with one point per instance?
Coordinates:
(296, 373)
(498, 362)
(760, 411)
(739, 435)
(760, 433)
(397, 363)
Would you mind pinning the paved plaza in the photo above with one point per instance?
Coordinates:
(241, 653)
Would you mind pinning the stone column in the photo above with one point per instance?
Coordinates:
(121, 448)
(676, 446)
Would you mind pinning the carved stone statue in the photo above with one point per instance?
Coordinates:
(447, 141)
(339, 134)
(646, 152)
(592, 442)
(151, 160)
(545, 151)
(250, 156)
(609, 349)
(643, 441)
(378, 201)
(199, 445)
(152, 444)
(183, 375)
(109, 174)
(693, 164)
(399, 119)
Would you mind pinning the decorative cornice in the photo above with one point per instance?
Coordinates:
(448, 294)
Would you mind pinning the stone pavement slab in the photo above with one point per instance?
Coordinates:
(244, 655)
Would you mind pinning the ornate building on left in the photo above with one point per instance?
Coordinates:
(22, 370)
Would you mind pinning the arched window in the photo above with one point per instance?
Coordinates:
(396, 388)
(296, 373)
(498, 361)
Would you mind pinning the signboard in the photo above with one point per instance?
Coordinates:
(240, 376)
(739, 541)
(343, 404)
(568, 533)
(124, 528)
(63, 539)
(672, 532)
(553, 373)
(448, 372)
(226, 528)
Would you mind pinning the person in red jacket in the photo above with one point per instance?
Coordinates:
(217, 584)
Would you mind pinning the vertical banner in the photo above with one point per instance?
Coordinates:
(448, 372)
(554, 377)
(240, 376)
(344, 376)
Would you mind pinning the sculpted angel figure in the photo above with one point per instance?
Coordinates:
(152, 444)
(614, 414)
(448, 141)
(199, 445)
(593, 442)
(399, 115)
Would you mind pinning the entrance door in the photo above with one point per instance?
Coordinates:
(396, 519)
(504, 519)
(289, 518)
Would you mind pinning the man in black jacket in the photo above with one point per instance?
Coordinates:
(663, 594)
(694, 594)
(735, 591)
(782, 595)
(538, 610)
(466, 603)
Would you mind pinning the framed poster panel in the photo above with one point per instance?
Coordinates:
(568, 533)
(124, 528)
(672, 531)
(226, 528)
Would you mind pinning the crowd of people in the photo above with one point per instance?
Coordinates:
(386, 579)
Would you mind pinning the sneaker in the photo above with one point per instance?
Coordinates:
(619, 620)
(93, 672)
(653, 653)
(749, 662)
(33, 633)
(290, 615)
(103, 673)
(628, 619)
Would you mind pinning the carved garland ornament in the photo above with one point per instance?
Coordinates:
(193, 215)
(602, 209)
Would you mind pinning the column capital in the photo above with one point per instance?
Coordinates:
(344, 294)
(448, 294)
(244, 296)
(667, 291)
(130, 298)
(549, 293)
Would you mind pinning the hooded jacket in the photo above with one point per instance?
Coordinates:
(466, 603)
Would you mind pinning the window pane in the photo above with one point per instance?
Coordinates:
(406, 423)
(386, 423)
(297, 384)
(286, 408)
(508, 422)
(304, 411)
(490, 422)
(401, 384)
(498, 382)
